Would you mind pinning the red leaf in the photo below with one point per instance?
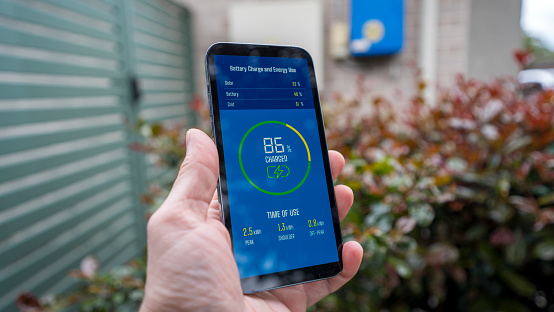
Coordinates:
(523, 58)
(27, 302)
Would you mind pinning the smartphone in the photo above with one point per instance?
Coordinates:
(275, 185)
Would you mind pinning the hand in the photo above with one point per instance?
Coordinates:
(190, 261)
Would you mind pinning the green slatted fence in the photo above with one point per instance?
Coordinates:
(164, 65)
(69, 185)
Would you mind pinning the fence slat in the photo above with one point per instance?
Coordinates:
(85, 10)
(23, 195)
(24, 143)
(19, 38)
(14, 91)
(16, 64)
(22, 12)
(26, 220)
(32, 116)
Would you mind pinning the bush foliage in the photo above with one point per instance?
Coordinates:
(454, 203)
(120, 289)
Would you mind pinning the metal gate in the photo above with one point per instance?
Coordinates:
(74, 77)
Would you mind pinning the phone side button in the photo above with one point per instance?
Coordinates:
(221, 216)
(213, 132)
(209, 98)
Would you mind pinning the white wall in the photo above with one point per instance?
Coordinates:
(298, 23)
(493, 37)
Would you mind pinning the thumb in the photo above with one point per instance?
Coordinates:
(197, 179)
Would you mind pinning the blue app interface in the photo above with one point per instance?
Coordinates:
(278, 198)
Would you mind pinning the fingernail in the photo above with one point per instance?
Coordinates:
(187, 138)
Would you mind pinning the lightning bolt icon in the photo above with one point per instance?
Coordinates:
(278, 172)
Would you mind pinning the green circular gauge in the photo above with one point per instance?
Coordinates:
(294, 188)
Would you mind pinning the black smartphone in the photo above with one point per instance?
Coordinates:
(275, 184)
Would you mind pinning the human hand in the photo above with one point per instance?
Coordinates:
(191, 266)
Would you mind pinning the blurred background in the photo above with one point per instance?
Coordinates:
(444, 110)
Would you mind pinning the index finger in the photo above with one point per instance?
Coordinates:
(337, 163)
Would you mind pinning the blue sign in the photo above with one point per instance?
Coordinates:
(377, 27)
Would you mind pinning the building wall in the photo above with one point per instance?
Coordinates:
(392, 76)
(454, 18)
(493, 37)
(388, 75)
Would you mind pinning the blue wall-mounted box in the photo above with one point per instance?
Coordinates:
(377, 27)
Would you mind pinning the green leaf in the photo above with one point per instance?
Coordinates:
(540, 190)
(488, 254)
(483, 304)
(473, 195)
(401, 267)
(494, 161)
(136, 295)
(118, 298)
(546, 200)
(383, 167)
(545, 250)
(406, 244)
(519, 284)
(503, 187)
(517, 144)
(510, 305)
(156, 129)
(377, 211)
(516, 253)
(478, 178)
(456, 164)
(501, 213)
(385, 223)
(476, 232)
(424, 214)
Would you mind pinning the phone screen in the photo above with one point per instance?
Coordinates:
(275, 172)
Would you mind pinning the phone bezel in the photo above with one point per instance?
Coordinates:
(301, 275)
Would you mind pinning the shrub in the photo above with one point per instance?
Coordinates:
(120, 289)
(454, 203)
